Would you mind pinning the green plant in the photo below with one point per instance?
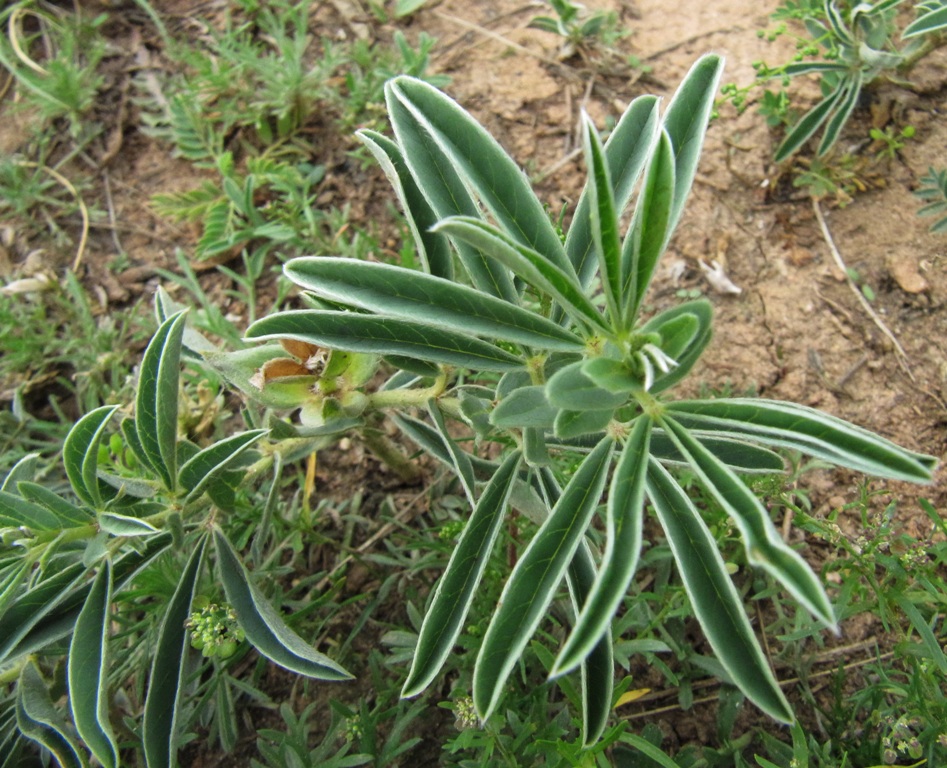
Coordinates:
(851, 47)
(499, 333)
(579, 29)
(933, 191)
(65, 84)
(147, 511)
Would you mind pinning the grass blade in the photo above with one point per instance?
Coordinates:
(537, 575)
(456, 586)
(264, 627)
(353, 332)
(714, 599)
(88, 671)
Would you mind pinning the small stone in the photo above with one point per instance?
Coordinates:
(906, 274)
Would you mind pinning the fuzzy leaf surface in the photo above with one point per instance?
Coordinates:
(205, 465)
(88, 671)
(483, 166)
(764, 546)
(264, 627)
(686, 123)
(533, 582)
(625, 512)
(804, 429)
(529, 265)
(156, 405)
(433, 250)
(39, 720)
(650, 228)
(446, 192)
(456, 587)
(713, 597)
(384, 335)
(397, 292)
(80, 454)
(159, 721)
(626, 152)
(605, 236)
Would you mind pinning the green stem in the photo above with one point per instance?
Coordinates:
(385, 450)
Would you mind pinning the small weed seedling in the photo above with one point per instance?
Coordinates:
(933, 191)
(851, 46)
(579, 29)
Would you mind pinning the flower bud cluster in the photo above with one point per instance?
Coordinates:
(214, 631)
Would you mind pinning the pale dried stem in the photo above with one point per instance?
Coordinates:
(869, 310)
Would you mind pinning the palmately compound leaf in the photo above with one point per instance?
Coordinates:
(713, 597)
(456, 586)
(353, 332)
(764, 546)
(156, 404)
(159, 722)
(264, 628)
(625, 512)
(537, 575)
(80, 454)
(88, 671)
(787, 425)
(386, 289)
(39, 720)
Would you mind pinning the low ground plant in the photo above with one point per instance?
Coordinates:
(851, 47)
(521, 361)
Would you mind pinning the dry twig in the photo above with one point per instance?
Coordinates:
(869, 310)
